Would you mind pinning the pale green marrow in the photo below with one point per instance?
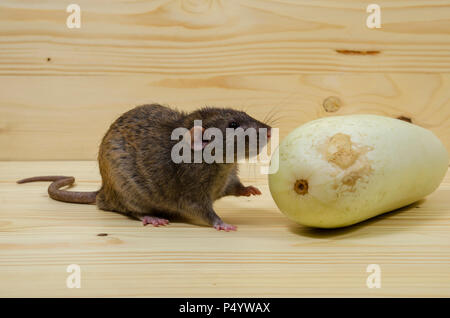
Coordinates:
(341, 170)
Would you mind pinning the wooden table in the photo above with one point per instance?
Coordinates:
(268, 255)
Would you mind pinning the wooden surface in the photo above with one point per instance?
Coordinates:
(268, 255)
(70, 120)
(60, 88)
(217, 37)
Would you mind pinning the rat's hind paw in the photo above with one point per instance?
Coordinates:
(153, 220)
(226, 227)
(248, 191)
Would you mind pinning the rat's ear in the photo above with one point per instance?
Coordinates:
(195, 135)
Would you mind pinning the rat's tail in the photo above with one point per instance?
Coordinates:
(63, 195)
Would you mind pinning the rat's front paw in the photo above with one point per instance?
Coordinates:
(226, 227)
(248, 191)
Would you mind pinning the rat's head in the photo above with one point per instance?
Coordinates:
(235, 126)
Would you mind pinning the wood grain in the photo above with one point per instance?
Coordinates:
(268, 255)
(60, 88)
(53, 117)
(217, 37)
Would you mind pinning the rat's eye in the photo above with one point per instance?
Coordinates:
(233, 124)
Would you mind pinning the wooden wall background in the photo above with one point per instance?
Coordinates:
(60, 88)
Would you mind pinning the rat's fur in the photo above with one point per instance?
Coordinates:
(139, 177)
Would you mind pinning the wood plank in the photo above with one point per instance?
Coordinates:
(65, 117)
(268, 255)
(220, 38)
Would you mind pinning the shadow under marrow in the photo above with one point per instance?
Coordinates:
(330, 233)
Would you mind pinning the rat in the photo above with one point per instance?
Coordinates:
(140, 179)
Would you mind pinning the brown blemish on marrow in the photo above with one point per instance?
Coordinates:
(350, 179)
(340, 151)
(349, 157)
(357, 52)
(301, 186)
(356, 172)
(332, 104)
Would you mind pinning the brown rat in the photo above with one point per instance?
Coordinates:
(139, 177)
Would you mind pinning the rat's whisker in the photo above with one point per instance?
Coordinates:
(269, 114)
